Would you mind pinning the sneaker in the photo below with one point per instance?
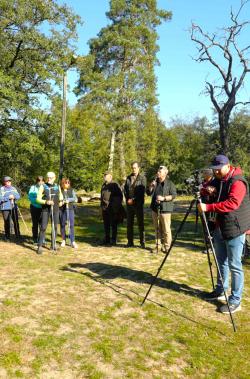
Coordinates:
(215, 295)
(233, 308)
(74, 245)
(39, 250)
(63, 243)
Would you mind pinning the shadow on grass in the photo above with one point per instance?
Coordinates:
(106, 272)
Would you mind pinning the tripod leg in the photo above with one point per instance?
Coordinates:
(170, 248)
(207, 244)
(217, 266)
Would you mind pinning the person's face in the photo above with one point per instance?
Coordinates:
(40, 182)
(7, 183)
(66, 184)
(222, 172)
(135, 169)
(108, 178)
(206, 176)
(51, 179)
(161, 174)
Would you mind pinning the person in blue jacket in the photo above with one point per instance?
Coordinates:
(8, 197)
(35, 208)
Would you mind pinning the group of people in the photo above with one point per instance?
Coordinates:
(225, 196)
(48, 201)
(162, 191)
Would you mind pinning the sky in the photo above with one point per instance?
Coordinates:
(180, 79)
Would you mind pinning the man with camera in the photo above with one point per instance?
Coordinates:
(163, 192)
(232, 206)
(134, 192)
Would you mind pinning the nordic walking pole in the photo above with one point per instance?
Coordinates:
(53, 237)
(27, 229)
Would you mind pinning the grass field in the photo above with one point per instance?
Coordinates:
(78, 314)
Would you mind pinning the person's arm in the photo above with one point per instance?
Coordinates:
(39, 198)
(72, 199)
(235, 197)
(172, 192)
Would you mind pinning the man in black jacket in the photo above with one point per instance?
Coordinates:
(163, 192)
(134, 192)
(111, 204)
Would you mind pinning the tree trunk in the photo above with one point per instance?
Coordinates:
(122, 158)
(224, 129)
(112, 151)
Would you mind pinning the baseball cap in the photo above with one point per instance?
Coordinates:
(6, 178)
(219, 161)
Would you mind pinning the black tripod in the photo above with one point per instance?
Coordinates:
(208, 242)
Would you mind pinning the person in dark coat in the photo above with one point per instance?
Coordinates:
(111, 206)
(134, 192)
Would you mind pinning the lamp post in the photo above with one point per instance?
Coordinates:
(64, 115)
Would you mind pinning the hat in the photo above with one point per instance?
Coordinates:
(219, 161)
(6, 178)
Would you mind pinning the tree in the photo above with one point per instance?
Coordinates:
(119, 70)
(35, 44)
(224, 51)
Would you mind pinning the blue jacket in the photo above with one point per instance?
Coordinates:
(5, 192)
(32, 195)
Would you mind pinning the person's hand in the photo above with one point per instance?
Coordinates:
(202, 207)
(160, 198)
(49, 202)
(130, 201)
(11, 197)
(211, 190)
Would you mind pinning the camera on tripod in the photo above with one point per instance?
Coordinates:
(194, 182)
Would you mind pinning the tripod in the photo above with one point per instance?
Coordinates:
(208, 242)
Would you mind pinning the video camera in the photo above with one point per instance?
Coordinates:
(194, 182)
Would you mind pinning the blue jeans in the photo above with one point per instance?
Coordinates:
(229, 254)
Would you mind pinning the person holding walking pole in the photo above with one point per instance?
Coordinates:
(8, 197)
(67, 213)
(35, 208)
(50, 197)
(163, 192)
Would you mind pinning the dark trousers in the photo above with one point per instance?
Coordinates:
(109, 223)
(46, 216)
(36, 217)
(133, 211)
(67, 217)
(7, 216)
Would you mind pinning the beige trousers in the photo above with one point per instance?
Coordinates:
(165, 234)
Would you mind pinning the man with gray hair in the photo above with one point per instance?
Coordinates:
(163, 192)
(50, 197)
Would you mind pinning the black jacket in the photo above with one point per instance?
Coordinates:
(111, 197)
(135, 191)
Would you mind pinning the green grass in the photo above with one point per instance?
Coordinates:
(78, 314)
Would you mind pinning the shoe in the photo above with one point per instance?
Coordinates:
(205, 251)
(233, 308)
(164, 249)
(63, 243)
(74, 245)
(143, 245)
(53, 248)
(215, 295)
(7, 239)
(39, 250)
